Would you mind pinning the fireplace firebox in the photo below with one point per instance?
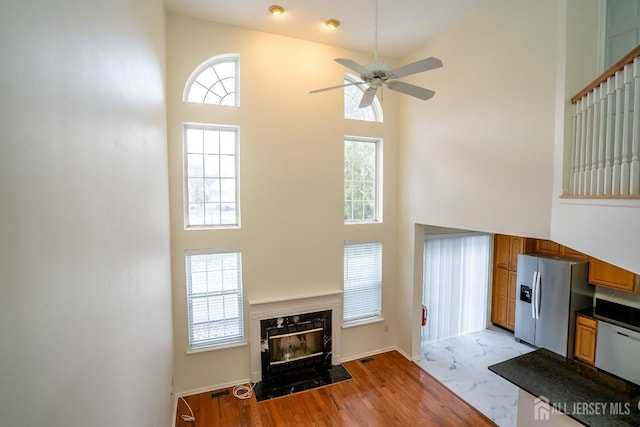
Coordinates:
(295, 343)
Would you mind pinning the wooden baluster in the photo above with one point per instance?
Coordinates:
(601, 137)
(608, 145)
(626, 127)
(617, 144)
(634, 172)
(588, 142)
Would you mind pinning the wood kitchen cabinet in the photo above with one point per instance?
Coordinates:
(586, 335)
(499, 296)
(505, 265)
(547, 247)
(600, 272)
(566, 252)
(605, 274)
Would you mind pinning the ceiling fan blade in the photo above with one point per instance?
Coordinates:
(416, 67)
(367, 97)
(336, 87)
(409, 89)
(362, 71)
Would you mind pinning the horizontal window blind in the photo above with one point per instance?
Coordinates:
(214, 299)
(362, 281)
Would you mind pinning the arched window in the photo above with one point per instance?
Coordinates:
(353, 96)
(215, 82)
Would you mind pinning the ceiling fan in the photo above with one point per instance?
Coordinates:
(378, 74)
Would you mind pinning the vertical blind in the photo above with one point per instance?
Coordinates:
(362, 281)
(214, 299)
(456, 281)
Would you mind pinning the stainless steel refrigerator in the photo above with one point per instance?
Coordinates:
(549, 292)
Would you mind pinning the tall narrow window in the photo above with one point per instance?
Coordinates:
(352, 97)
(214, 299)
(456, 282)
(362, 281)
(211, 176)
(215, 82)
(361, 186)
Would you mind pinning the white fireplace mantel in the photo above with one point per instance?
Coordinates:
(280, 307)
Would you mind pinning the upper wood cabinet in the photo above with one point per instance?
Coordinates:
(605, 274)
(570, 253)
(501, 248)
(519, 245)
(547, 247)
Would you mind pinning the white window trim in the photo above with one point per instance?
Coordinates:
(379, 180)
(185, 183)
(377, 317)
(214, 346)
(206, 64)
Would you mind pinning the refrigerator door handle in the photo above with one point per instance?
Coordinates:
(533, 295)
(538, 296)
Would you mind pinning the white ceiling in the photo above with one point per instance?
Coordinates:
(404, 25)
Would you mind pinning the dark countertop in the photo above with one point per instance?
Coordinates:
(590, 397)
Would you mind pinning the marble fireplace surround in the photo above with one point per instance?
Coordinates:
(280, 307)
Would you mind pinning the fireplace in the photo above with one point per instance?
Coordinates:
(296, 342)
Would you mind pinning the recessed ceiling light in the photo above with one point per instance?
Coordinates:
(332, 23)
(276, 10)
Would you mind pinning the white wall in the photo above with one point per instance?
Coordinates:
(85, 312)
(479, 155)
(291, 179)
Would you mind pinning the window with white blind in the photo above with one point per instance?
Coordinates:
(362, 282)
(214, 299)
(361, 180)
(211, 175)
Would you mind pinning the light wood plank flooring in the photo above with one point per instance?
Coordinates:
(387, 391)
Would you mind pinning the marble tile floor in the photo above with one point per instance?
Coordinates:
(460, 363)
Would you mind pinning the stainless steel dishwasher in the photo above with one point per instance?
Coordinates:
(618, 351)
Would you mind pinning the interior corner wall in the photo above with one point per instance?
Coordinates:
(85, 296)
(479, 154)
(606, 230)
(291, 184)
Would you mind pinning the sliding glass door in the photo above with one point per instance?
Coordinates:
(456, 282)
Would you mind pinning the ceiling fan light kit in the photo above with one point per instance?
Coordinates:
(379, 74)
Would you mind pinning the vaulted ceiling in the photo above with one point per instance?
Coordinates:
(403, 25)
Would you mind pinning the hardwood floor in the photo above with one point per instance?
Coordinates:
(386, 391)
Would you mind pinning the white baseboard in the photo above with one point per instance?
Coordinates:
(374, 352)
(211, 388)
